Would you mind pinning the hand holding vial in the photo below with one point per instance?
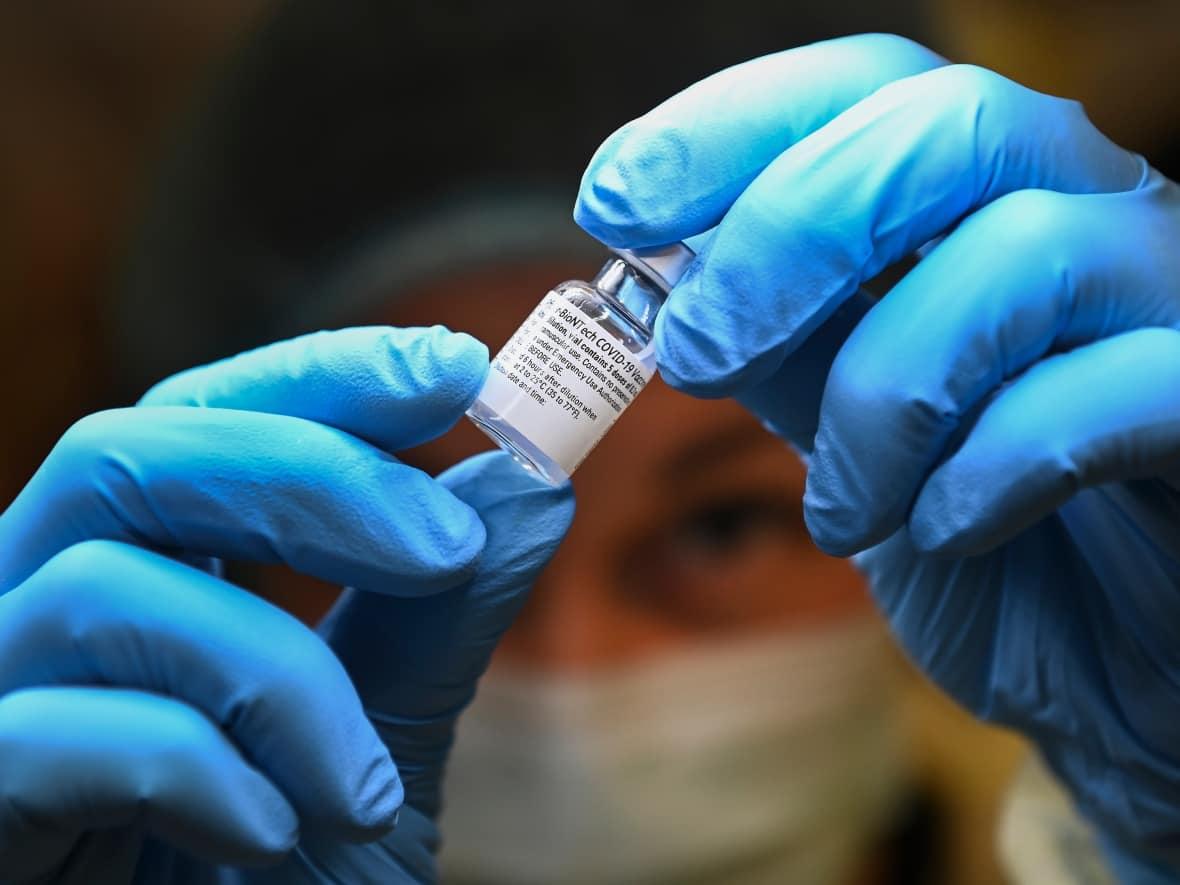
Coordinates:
(995, 439)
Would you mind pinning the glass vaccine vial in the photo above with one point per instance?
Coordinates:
(579, 359)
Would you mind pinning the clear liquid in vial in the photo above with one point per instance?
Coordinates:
(563, 379)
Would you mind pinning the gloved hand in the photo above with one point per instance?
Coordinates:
(158, 724)
(997, 437)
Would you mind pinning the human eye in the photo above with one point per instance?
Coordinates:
(722, 561)
(735, 525)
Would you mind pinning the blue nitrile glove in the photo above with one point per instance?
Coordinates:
(1001, 432)
(160, 725)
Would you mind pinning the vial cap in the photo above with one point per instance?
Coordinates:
(664, 265)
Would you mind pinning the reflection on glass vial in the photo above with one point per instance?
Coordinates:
(580, 358)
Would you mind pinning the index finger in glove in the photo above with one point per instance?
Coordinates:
(243, 485)
(874, 184)
(395, 388)
(675, 171)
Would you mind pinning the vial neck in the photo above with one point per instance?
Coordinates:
(631, 290)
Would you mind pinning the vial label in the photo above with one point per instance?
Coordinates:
(564, 378)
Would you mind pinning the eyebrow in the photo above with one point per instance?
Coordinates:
(724, 443)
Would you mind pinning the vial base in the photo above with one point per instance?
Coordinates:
(515, 443)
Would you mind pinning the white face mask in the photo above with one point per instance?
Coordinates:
(769, 761)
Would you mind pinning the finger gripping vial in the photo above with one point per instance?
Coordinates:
(578, 360)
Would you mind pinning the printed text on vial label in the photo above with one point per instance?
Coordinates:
(564, 342)
(575, 375)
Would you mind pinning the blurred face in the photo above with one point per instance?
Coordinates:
(689, 525)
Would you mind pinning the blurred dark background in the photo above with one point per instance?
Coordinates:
(88, 95)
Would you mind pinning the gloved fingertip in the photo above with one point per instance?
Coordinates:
(268, 844)
(627, 195)
(829, 531)
(941, 524)
(937, 543)
(364, 793)
(461, 353)
(445, 369)
(459, 541)
(378, 804)
(699, 357)
(610, 218)
(839, 525)
(492, 481)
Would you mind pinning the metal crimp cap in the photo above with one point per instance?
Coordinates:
(663, 265)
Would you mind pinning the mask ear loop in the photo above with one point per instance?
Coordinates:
(465, 233)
